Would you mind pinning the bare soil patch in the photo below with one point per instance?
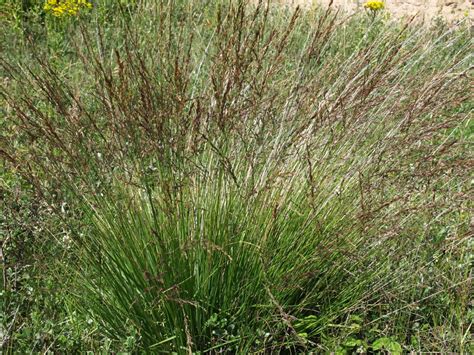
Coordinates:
(425, 10)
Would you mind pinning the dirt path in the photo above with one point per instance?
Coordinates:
(450, 10)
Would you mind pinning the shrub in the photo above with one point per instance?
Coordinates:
(243, 178)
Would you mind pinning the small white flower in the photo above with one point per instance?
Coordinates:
(67, 241)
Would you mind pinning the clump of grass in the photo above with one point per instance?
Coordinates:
(246, 177)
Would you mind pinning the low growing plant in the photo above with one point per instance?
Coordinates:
(238, 178)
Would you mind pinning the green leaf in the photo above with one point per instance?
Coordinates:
(387, 344)
(352, 342)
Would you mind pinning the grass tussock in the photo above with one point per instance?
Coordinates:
(239, 178)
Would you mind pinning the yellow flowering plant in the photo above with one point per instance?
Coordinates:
(374, 5)
(63, 8)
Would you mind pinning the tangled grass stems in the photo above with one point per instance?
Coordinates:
(237, 171)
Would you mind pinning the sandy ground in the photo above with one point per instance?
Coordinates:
(450, 10)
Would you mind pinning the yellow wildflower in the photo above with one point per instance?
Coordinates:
(60, 8)
(374, 5)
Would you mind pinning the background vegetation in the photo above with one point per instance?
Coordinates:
(217, 176)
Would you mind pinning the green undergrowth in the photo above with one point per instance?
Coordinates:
(224, 177)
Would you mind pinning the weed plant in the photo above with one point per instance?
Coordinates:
(229, 177)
